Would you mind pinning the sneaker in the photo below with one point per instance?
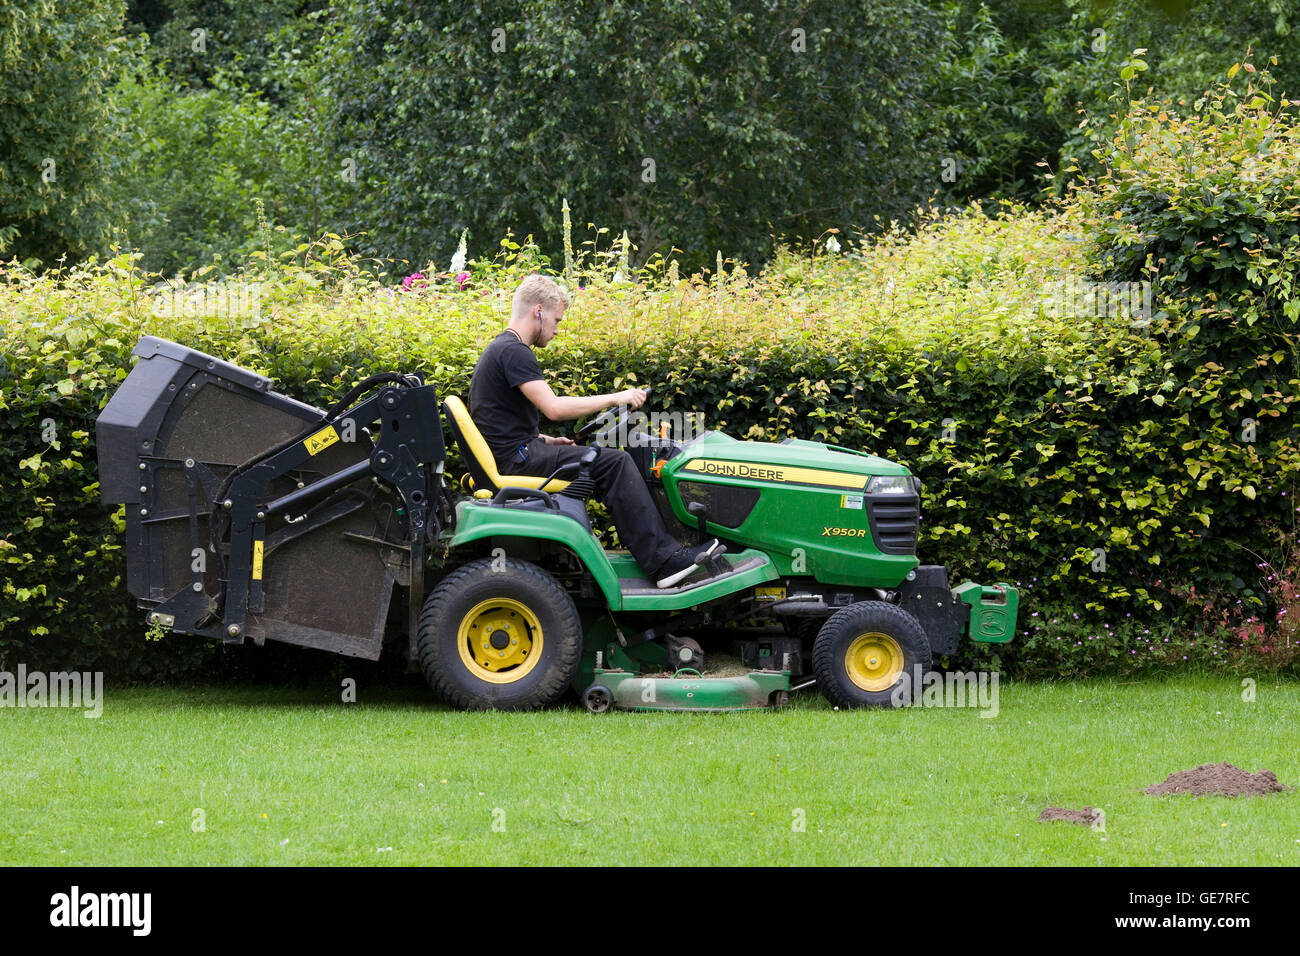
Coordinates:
(684, 562)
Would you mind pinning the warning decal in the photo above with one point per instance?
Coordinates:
(321, 440)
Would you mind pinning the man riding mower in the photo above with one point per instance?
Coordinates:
(250, 515)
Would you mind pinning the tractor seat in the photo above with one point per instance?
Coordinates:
(477, 457)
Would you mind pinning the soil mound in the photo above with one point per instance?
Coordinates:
(1087, 816)
(1217, 779)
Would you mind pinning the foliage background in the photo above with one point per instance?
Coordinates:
(1040, 435)
(400, 125)
(209, 138)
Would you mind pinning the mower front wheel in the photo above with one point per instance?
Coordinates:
(500, 634)
(870, 654)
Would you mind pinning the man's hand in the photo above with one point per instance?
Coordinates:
(631, 396)
(556, 441)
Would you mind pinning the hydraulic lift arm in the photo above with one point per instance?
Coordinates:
(410, 442)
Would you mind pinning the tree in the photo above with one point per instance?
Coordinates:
(1031, 81)
(56, 59)
(713, 126)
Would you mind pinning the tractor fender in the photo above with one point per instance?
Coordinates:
(476, 521)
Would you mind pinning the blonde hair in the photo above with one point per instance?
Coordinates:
(538, 290)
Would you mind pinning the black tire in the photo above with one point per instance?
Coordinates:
(488, 594)
(889, 650)
(807, 629)
(598, 698)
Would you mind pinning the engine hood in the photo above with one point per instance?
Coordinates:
(793, 461)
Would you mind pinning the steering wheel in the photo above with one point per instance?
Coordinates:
(603, 431)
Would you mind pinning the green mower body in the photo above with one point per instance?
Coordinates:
(250, 515)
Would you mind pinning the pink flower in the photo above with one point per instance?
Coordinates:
(414, 280)
(462, 279)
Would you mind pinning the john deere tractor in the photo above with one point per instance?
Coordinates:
(251, 517)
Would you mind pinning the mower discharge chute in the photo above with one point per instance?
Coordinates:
(252, 515)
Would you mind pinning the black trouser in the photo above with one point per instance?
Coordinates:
(618, 484)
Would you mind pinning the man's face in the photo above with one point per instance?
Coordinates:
(549, 323)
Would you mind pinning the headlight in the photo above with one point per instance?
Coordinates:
(891, 485)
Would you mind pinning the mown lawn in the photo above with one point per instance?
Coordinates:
(298, 777)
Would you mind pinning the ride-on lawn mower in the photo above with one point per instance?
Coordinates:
(250, 515)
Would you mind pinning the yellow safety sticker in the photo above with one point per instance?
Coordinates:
(318, 442)
(257, 560)
(770, 594)
(755, 471)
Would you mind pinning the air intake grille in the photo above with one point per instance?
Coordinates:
(895, 521)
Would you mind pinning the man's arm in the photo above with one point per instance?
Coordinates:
(566, 408)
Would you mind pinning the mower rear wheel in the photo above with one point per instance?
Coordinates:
(598, 698)
(869, 654)
(499, 636)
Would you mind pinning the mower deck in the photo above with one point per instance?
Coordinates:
(686, 690)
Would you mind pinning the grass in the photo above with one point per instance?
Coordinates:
(297, 777)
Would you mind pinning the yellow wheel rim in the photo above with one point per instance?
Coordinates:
(874, 661)
(500, 640)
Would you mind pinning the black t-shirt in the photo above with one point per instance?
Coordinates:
(505, 417)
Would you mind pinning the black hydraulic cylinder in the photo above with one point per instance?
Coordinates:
(316, 488)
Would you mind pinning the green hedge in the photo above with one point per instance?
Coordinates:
(1040, 436)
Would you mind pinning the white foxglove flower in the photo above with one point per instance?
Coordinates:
(458, 260)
